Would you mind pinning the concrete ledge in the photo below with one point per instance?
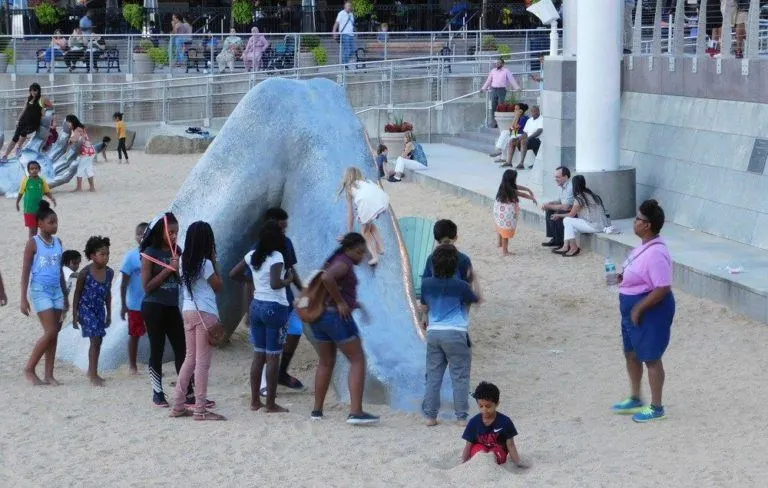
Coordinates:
(174, 140)
(699, 259)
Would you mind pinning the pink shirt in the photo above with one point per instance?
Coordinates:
(648, 266)
(500, 78)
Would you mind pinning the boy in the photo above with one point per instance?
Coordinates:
(70, 261)
(33, 189)
(446, 232)
(490, 431)
(445, 301)
(131, 296)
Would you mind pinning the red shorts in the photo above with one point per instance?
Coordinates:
(136, 327)
(30, 220)
(498, 451)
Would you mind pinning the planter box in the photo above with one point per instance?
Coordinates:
(395, 142)
(143, 64)
(503, 119)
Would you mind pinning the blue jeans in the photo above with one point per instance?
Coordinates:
(451, 349)
(44, 297)
(347, 48)
(269, 326)
(331, 327)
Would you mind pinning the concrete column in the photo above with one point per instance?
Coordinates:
(569, 28)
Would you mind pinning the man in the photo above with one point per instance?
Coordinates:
(344, 27)
(555, 230)
(531, 137)
(86, 23)
(498, 80)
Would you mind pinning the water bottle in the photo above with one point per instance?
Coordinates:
(611, 278)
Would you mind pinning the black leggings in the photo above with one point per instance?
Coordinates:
(163, 321)
(121, 147)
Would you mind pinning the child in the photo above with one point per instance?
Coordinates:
(120, 127)
(29, 119)
(33, 189)
(446, 232)
(101, 148)
(381, 160)
(383, 34)
(131, 296)
(93, 301)
(445, 301)
(490, 431)
(506, 208)
(86, 154)
(41, 276)
(70, 261)
(369, 201)
(53, 134)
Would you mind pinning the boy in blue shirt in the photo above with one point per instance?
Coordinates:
(445, 300)
(446, 232)
(131, 296)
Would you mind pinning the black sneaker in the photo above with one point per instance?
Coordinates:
(362, 419)
(158, 400)
(551, 243)
(316, 415)
(289, 381)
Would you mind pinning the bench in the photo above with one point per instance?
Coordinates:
(198, 57)
(108, 59)
(374, 51)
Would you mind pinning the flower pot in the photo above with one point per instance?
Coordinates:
(395, 142)
(307, 60)
(504, 119)
(545, 11)
(3, 62)
(143, 64)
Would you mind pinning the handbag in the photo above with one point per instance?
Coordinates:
(311, 302)
(216, 332)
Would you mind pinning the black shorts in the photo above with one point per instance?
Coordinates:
(22, 131)
(534, 144)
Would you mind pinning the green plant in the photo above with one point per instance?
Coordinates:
(309, 43)
(504, 51)
(9, 54)
(133, 13)
(144, 46)
(158, 55)
(46, 12)
(489, 43)
(362, 8)
(320, 55)
(242, 12)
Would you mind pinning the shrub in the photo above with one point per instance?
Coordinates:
(309, 43)
(320, 55)
(45, 11)
(144, 46)
(489, 43)
(9, 54)
(133, 13)
(361, 8)
(242, 12)
(504, 51)
(158, 55)
(506, 106)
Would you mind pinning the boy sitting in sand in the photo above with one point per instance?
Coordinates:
(446, 232)
(490, 431)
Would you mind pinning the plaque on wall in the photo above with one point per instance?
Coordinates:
(759, 156)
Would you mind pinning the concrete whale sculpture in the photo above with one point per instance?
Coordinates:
(287, 144)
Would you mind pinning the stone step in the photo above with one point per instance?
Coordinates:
(471, 144)
(482, 136)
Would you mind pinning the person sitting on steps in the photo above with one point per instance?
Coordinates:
(510, 136)
(530, 139)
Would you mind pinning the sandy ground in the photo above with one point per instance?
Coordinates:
(547, 335)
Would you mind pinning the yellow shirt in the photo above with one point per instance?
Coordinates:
(120, 129)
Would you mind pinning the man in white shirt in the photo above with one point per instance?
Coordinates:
(344, 27)
(531, 136)
(555, 229)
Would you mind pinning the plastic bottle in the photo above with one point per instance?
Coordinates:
(611, 278)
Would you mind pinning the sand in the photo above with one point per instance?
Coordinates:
(547, 335)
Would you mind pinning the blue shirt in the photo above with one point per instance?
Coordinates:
(462, 268)
(46, 264)
(448, 300)
(497, 434)
(131, 270)
(289, 261)
(86, 24)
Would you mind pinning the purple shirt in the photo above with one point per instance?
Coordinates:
(648, 266)
(500, 78)
(348, 283)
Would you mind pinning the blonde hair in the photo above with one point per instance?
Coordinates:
(409, 136)
(351, 176)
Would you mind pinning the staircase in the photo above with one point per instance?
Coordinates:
(481, 140)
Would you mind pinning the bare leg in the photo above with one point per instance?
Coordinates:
(91, 186)
(377, 238)
(371, 243)
(257, 366)
(273, 370)
(78, 184)
(9, 149)
(93, 362)
(656, 380)
(523, 151)
(499, 240)
(635, 371)
(50, 354)
(504, 246)
(511, 152)
(42, 346)
(326, 362)
(133, 348)
(353, 350)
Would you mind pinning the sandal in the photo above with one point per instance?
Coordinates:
(208, 416)
(566, 255)
(180, 413)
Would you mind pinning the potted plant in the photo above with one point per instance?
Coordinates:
(158, 55)
(307, 45)
(362, 8)
(320, 55)
(46, 12)
(504, 52)
(394, 136)
(543, 9)
(488, 49)
(505, 113)
(143, 63)
(242, 12)
(6, 54)
(133, 13)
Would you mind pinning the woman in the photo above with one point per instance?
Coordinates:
(29, 119)
(58, 47)
(201, 282)
(76, 51)
(269, 312)
(407, 160)
(86, 152)
(587, 216)
(256, 46)
(181, 30)
(336, 329)
(230, 51)
(647, 310)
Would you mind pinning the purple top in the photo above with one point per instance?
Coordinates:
(348, 283)
(649, 266)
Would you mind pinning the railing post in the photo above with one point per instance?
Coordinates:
(164, 116)
(637, 29)
(210, 68)
(15, 57)
(670, 29)
(432, 45)
(678, 40)
(208, 102)
(296, 51)
(170, 57)
(391, 82)
(701, 38)
(297, 60)
(122, 98)
(656, 45)
(726, 35)
(90, 60)
(753, 31)
(130, 58)
(51, 57)
(386, 44)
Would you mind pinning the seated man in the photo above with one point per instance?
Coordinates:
(531, 137)
(512, 135)
(555, 229)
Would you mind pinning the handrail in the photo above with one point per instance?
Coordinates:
(429, 107)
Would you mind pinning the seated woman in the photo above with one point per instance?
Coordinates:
(76, 50)
(230, 51)
(413, 158)
(57, 49)
(512, 136)
(586, 216)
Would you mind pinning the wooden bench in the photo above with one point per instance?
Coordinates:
(374, 51)
(108, 59)
(198, 57)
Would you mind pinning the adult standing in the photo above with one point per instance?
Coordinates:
(344, 30)
(555, 229)
(647, 308)
(498, 80)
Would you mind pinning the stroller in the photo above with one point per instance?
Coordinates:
(281, 56)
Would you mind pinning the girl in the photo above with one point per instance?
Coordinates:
(268, 315)
(336, 329)
(29, 120)
(160, 307)
(41, 275)
(381, 160)
(406, 160)
(587, 216)
(93, 301)
(506, 208)
(201, 282)
(369, 201)
(86, 152)
(32, 190)
(120, 127)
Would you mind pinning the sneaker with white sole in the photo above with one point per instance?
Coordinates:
(649, 413)
(316, 415)
(362, 419)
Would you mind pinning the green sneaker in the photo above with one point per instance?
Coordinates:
(649, 413)
(628, 406)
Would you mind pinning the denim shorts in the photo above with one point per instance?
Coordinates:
(295, 326)
(46, 297)
(269, 326)
(331, 327)
(649, 339)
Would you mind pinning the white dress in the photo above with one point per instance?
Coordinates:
(370, 201)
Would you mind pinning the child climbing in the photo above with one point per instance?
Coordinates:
(366, 199)
(120, 127)
(29, 119)
(33, 189)
(506, 208)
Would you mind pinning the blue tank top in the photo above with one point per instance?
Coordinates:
(46, 266)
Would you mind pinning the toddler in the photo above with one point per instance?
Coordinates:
(381, 160)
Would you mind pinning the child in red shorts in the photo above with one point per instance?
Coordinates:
(33, 189)
(132, 294)
(490, 431)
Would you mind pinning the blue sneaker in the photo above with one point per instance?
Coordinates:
(628, 406)
(649, 413)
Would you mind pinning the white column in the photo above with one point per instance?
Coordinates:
(569, 28)
(598, 84)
